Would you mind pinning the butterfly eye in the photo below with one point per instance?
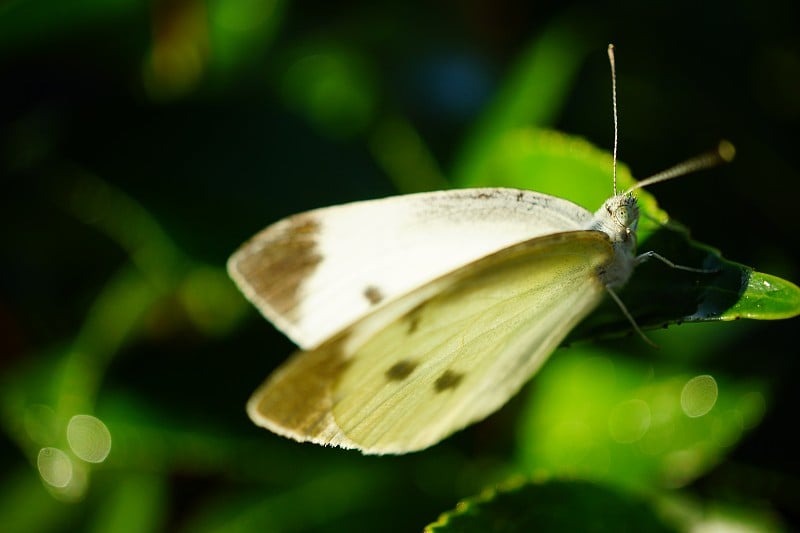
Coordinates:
(621, 214)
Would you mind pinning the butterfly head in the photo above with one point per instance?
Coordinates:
(618, 218)
(625, 211)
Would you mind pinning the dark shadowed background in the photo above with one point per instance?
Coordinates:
(142, 142)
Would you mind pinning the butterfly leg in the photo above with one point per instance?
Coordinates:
(629, 316)
(647, 255)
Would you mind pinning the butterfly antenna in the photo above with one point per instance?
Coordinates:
(723, 154)
(614, 106)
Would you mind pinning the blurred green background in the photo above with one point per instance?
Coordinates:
(142, 142)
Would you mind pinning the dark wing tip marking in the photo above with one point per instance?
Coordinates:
(401, 370)
(282, 258)
(373, 294)
(449, 380)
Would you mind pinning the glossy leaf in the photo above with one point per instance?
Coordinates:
(553, 506)
(656, 295)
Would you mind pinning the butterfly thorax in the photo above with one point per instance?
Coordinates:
(618, 218)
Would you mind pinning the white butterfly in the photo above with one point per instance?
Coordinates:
(421, 314)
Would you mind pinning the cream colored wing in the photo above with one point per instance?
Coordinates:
(461, 346)
(316, 273)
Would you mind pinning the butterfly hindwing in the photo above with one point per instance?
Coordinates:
(456, 350)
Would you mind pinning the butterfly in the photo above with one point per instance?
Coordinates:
(420, 314)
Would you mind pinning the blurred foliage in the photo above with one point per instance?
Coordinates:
(141, 143)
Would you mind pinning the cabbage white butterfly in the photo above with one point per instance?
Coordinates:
(418, 315)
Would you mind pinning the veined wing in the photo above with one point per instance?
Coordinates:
(316, 273)
(458, 349)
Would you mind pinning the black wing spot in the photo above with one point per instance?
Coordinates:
(400, 371)
(373, 294)
(414, 317)
(449, 380)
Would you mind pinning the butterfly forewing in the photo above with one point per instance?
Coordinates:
(316, 273)
(458, 348)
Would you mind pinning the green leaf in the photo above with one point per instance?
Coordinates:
(552, 506)
(765, 297)
(657, 295)
(562, 165)
(532, 95)
(628, 423)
